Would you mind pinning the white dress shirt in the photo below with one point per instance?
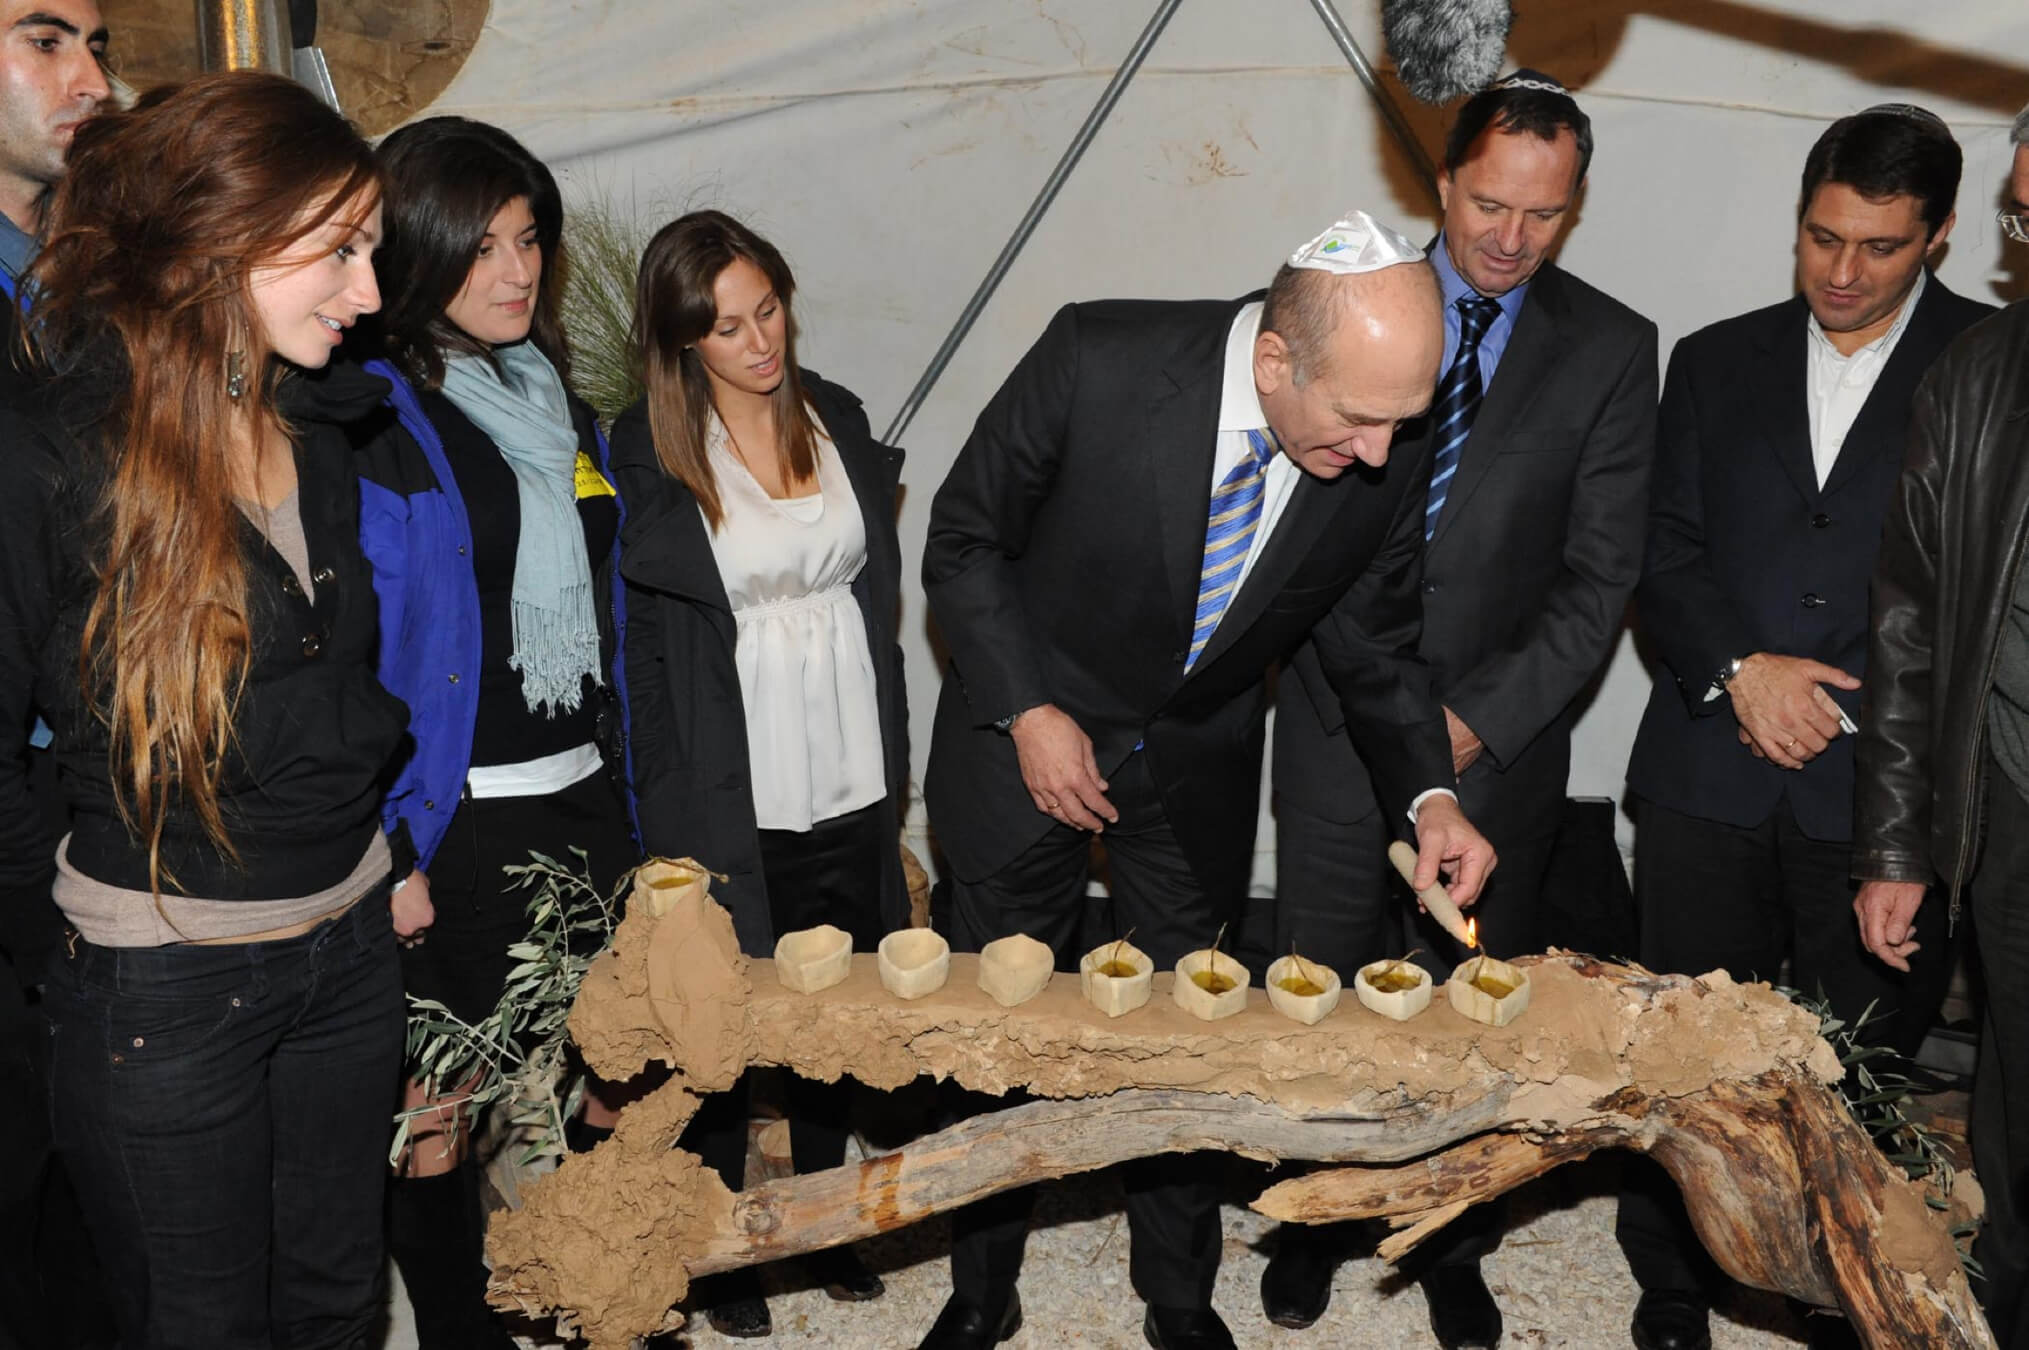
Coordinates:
(1839, 384)
(1239, 413)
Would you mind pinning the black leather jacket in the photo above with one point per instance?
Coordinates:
(1950, 554)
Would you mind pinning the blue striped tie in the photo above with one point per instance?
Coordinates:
(1229, 532)
(1458, 399)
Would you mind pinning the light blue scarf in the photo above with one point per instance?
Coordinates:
(556, 630)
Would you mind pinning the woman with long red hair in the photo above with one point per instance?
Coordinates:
(183, 596)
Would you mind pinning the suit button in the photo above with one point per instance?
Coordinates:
(324, 576)
(454, 677)
(461, 550)
(1812, 600)
(1820, 520)
(429, 806)
(1430, 588)
(1177, 657)
(311, 646)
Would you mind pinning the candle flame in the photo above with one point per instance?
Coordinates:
(1472, 931)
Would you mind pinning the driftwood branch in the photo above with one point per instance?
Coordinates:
(1727, 1086)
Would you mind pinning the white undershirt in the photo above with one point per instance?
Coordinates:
(1838, 385)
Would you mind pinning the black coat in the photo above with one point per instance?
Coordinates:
(313, 731)
(1526, 582)
(687, 727)
(1747, 553)
(1062, 567)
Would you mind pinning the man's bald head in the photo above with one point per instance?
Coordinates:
(1343, 358)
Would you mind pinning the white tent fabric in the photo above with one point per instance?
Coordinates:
(889, 147)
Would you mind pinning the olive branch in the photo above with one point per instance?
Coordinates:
(1879, 1100)
(518, 1056)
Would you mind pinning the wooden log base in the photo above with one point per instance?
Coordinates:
(1725, 1085)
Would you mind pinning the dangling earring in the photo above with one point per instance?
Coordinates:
(235, 375)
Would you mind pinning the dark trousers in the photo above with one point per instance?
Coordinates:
(828, 874)
(1713, 896)
(1339, 900)
(2000, 1124)
(437, 1224)
(49, 1279)
(225, 1114)
(1174, 1223)
(462, 961)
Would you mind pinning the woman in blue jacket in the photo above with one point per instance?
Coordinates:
(491, 529)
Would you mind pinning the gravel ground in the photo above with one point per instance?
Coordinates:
(1558, 1276)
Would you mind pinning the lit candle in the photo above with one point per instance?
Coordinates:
(1433, 897)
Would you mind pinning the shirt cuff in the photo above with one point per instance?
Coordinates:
(1426, 795)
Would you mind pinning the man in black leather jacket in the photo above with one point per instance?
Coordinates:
(1941, 776)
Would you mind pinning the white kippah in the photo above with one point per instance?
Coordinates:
(1356, 243)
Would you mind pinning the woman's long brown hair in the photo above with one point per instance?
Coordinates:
(673, 308)
(163, 214)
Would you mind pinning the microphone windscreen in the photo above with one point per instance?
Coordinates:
(1446, 49)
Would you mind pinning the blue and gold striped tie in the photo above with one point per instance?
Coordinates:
(1229, 533)
(1458, 400)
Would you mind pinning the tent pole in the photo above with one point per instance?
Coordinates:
(240, 35)
(973, 307)
(1390, 114)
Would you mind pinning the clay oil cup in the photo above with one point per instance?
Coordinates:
(1013, 970)
(914, 962)
(658, 884)
(1210, 984)
(1394, 989)
(1303, 991)
(1116, 977)
(811, 959)
(1489, 991)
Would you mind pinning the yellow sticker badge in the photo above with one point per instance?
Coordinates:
(591, 483)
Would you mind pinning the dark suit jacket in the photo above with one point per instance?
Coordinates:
(1527, 580)
(1746, 553)
(1062, 567)
(687, 728)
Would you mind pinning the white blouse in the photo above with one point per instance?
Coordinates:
(806, 671)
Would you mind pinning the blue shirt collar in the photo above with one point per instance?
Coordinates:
(1454, 286)
(17, 247)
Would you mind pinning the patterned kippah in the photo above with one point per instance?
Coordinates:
(1356, 243)
(1909, 110)
(1526, 78)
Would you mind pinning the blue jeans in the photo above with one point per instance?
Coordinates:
(225, 1112)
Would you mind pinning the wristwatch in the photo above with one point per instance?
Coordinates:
(1724, 675)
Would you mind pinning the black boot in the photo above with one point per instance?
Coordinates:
(435, 1233)
(844, 1276)
(1296, 1286)
(735, 1305)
